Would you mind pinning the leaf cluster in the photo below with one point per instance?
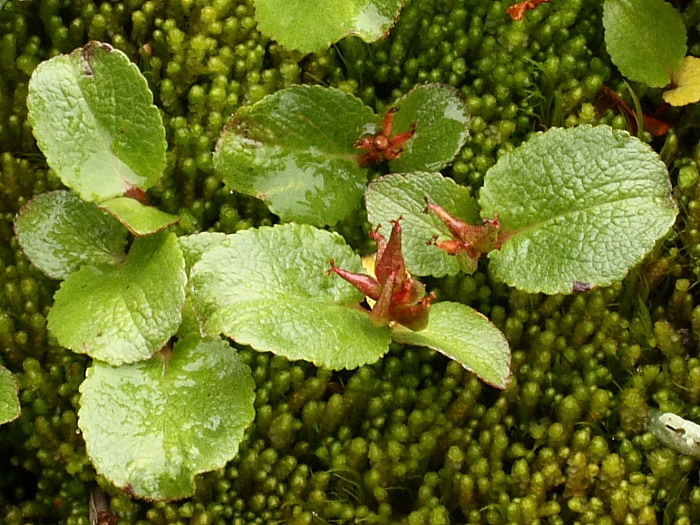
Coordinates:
(577, 208)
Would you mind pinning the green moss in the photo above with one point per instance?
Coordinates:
(413, 438)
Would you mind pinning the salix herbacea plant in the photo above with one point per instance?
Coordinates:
(166, 398)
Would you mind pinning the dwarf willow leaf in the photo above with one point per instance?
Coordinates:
(403, 195)
(313, 25)
(125, 313)
(152, 426)
(295, 150)
(268, 288)
(59, 233)
(93, 117)
(139, 218)
(579, 206)
(9, 400)
(645, 39)
(463, 334)
(442, 126)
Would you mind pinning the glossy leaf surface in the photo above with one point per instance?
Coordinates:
(150, 427)
(312, 25)
(59, 233)
(403, 195)
(442, 127)
(94, 119)
(463, 334)
(268, 288)
(295, 151)
(582, 206)
(121, 314)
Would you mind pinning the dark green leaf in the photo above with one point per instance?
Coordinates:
(645, 39)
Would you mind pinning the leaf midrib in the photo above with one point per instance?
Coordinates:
(536, 225)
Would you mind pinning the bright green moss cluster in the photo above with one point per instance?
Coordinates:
(413, 439)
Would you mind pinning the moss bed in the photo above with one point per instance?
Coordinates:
(413, 439)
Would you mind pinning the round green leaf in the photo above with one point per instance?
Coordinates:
(312, 26)
(121, 314)
(403, 195)
(59, 233)
(583, 205)
(645, 39)
(268, 288)
(94, 120)
(442, 127)
(151, 427)
(9, 400)
(139, 218)
(465, 335)
(295, 150)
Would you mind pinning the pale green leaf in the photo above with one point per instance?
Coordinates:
(645, 39)
(583, 206)
(268, 288)
(121, 314)
(196, 245)
(465, 335)
(442, 126)
(295, 151)
(313, 25)
(94, 119)
(9, 399)
(151, 427)
(59, 233)
(139, 218)
(193, 248)
(403, 195)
